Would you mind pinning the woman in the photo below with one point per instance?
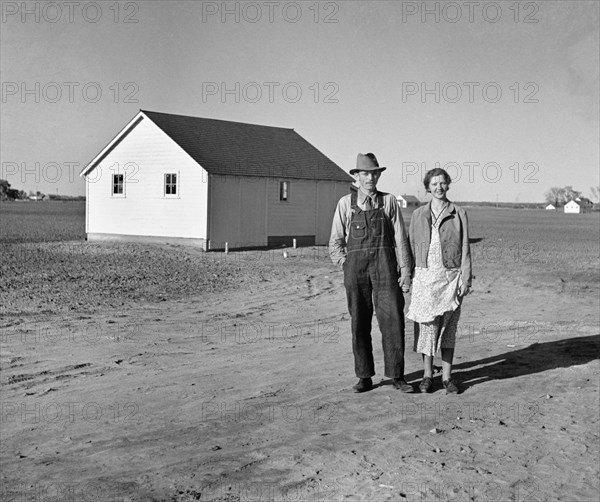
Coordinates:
(439, 239)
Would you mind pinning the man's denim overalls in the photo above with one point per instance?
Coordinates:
(371, 279)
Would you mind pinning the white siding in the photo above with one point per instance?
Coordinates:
(572, 207)
(144, 210)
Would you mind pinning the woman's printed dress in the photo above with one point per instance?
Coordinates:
(435, 304)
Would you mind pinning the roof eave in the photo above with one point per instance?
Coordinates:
(113, 143)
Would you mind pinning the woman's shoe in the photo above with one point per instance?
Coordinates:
(426, 384)
(450, 386)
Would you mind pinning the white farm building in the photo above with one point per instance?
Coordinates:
(407, 200)
(572, 207)
(207, 182)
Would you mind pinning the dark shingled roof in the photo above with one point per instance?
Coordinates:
(238, 149)
(411, 199)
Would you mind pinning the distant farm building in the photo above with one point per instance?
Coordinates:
(210, 182)
(407, 200)
(573, 207)
(550, 207)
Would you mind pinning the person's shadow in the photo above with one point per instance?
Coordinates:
(527, 361)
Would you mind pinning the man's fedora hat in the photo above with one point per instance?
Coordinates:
(366, 162)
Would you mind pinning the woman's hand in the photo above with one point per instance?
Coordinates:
(463, 290)
(404, 283)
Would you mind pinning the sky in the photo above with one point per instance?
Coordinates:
(504, 95)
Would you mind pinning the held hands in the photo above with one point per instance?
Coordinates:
(404, 283)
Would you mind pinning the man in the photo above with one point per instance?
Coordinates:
(369, 241)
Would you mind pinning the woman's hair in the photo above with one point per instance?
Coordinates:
(438, 171)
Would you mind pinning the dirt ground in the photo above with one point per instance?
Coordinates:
(244, 394)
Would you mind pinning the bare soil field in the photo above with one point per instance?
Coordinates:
(135, 372)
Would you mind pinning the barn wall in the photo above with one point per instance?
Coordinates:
(237, 211)
(144, 210)
(246, 211)
(298, 215)
(328, 195)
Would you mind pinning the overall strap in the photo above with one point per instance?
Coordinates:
(388, 222)
(354, 199)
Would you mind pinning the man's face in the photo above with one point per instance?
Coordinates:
(368, 180)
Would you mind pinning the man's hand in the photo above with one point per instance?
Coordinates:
(404, 283)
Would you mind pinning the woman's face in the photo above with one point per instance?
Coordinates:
(438, 187)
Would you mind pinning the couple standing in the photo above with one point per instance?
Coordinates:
(369, 241)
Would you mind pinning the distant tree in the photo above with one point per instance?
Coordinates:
(8, 193)
(4, 188)
(555, 196)
(595, 192)
(13, 193)
(571, 194)
(560, 196)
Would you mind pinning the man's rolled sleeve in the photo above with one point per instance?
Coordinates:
(403, 254)
(337, 240)
(466, 265)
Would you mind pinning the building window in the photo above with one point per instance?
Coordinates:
(284, 191)
(171, 184)
(117, 184)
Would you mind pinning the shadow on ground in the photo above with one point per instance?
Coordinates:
(533, 359)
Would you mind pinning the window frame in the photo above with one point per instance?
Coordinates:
(177, 185)
(116, 184)
(288, 191)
